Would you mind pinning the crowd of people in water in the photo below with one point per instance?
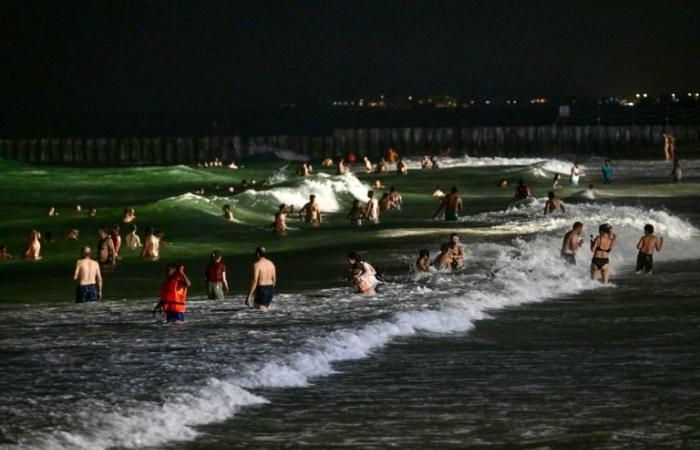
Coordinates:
(364, 277)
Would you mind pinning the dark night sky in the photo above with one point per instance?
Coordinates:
(122, 57)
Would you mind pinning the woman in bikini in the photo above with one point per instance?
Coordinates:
(601, 247)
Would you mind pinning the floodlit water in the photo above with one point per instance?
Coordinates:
(515, 350)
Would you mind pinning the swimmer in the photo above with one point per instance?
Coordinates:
(263, 281)
(443, 261)
(423, 261)
(311, 212)
(92, 212)
(77, 209)
(503, 184)
(677, 171)
(215, 277)
(575, 174)
(572, 243)
(231, 189)
(132, 240)
(377, 185)
(89, 278)
(601, 247)
(426, 163)
(116, 240)
(4, 254)
(367, 279)
(434, 162)
(553, 204)
(151, 245)
(228, 214)
(556, 184)
(52, 212)
(368, 164)
(341, 167)
(646, 246)
(73, 234)
(522, 192)
(607, 172)
(392, 155)
(129, 215)
(173, 294)
(437, 192)
(106, 255)
(452, 203)
(371, 211)
(233, 165)
(32, 251)
(395, 197)
(385, 203)
(382, 166)
(304, 170)
(327, 162)
(355, 215)
(457, 250)
(279, 226)
(401, 167)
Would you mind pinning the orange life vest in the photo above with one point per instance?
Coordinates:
(173, 294)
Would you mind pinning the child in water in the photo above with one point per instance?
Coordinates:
(423, 261)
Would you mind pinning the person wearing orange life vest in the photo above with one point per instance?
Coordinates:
(173, 294)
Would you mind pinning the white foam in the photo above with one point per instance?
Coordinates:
(539, 165)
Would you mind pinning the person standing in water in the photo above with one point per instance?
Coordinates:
(575, 174)
(116, 240)
(89, 278)
(401, 167)
(355, 214)
(553, 204)
(368, 164)
(572, 243)
(311, 212)
(263, 281)
(522, 192)
(280, 224)
(132, 240)
(669, 146)
(607, 172)
(457, 250)
(151, 245)
(228, 214)
(173, 294)
(385, 203)
(106, 255)
(646, 246)
(395, 198)
(32, 251)
(341, 167)
(362, 274)
(452, 203)
(371, 211)
(556, 184)
(601, 247)
(677, 171)
(215, 276)
(423, 261)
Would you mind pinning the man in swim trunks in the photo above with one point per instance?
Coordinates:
(571, 243)
(89, 278)
(385, 204)
(311, 212)
(106, 255)
(215, 276)
(646, 246)
(553, 204)
(452, 203)
(262, 283)
(371, 211)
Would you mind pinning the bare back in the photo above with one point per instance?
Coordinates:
(264, 272)
(87, 272)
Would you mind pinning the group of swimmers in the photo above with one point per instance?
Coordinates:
(451, 256)
(216, 162)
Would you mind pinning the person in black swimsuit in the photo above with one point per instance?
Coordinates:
(601, 247)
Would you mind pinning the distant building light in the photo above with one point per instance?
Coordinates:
(538, 101)
(410, 98)
(645, 95)
(629, 103)
(488, 102)
(637, 95)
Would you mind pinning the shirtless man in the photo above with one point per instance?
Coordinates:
(132, 240)
(572, 243)
(151, 245)
(311, 212)
(382, 166)
(371, 211)
(426, 163)
(401, 167)
(129, 215)
(395, 198)
(263, 281)
(646, 246)
(73, 234)
(32, 251)
(457, 250)
(280, 224)
(423, 261)
(89, 278)
(106, 254)
(452, 203)
(327, 162)
(553, 204)
(385, 203)
(444, 260)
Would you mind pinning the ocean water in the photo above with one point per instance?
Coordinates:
(515, 351)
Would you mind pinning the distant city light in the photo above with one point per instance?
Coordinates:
(645, 95)
(637, 95)
(410, 97)
(488, 102)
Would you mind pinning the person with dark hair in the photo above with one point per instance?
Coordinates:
(423, 261)
(89, 278)
(173, 293)
(32, 251)
(215, 276)
(385, 203)
(106, 255)
(572, 243)
(132, 240)
(311, 212)
(371, 211)
(601, 247)
(677, 171)
(228, 214)
(263, 281)
(151, 245)
(116, 240)
(452, 203)
(444, 260)
(280, 224)
(396, 199)
(363, 276)
(553, 204)
(646, 246)
(355, 214)
(607, 172)
(522, 192)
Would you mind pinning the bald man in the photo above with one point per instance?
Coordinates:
(89, 279)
